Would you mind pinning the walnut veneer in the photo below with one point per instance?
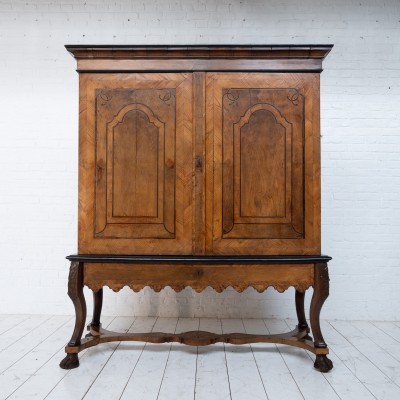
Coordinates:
(199, 166)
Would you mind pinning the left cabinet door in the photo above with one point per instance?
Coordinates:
(135, 164)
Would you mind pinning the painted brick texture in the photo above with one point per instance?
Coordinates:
(360, 120)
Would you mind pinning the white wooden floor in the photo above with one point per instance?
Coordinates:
(366, 358)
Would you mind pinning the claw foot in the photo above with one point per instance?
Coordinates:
(323, 364)
(308, 337)
(70, 361)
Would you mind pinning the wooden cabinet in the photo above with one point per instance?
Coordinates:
(199, 166)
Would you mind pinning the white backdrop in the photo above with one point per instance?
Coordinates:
(360, 111)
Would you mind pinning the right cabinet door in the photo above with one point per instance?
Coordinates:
(262, 163)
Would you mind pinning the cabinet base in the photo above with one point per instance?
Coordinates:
(266, 270)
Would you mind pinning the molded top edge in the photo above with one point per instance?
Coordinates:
(276, 51)
(99, 258)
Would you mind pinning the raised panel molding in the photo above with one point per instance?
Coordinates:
(135, 174)
(267, 147)
(262, 192)
(141, 200)
(263, 140)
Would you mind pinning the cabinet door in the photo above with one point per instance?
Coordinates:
(135, 164)
(262, 163)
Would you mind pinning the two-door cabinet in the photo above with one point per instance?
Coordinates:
(199, 166)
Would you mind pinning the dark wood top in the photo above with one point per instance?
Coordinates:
(105, 258)
(199, 51)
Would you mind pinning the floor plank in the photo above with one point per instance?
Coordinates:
(244, 377)
(383, 362)
(212, 381)
(110, 385)
(41, 370)
(344, 382)
(28, 343)
(8, 322)
(366, 358)
(379, 337)
(180, 372)
(146, 378)
(390, 328)
(19, 331)
(276, 376)
(29, 359)
(373, 379)
(313, 384)
(76, 382)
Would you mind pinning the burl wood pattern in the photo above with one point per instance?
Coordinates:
(268, 151)
(262, 141)
(261, 195)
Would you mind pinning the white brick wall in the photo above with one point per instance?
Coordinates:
(360, 110)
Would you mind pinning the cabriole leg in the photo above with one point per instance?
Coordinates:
(301, 316)
(321, 293)
(75, 292)
(95, 325)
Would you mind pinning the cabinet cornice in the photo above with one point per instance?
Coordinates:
(199, 57)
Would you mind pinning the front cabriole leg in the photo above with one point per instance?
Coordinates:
(321, 293)
(301, 317)
(75, 292)
(95, 325)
